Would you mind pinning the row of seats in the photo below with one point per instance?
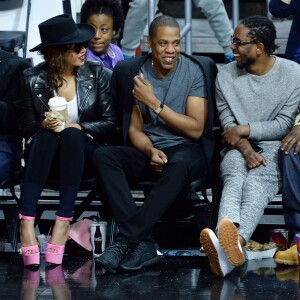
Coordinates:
(12, 41)
(200, 194)
(191, 198)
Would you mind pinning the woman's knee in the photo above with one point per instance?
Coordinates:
(71, 136)
(71, 132)
(43, 142)
(44, 136)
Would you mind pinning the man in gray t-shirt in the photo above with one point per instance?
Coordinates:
(166, 114)
(173, 91)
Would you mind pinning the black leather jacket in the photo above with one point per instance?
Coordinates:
(96, 111)
(11, 69)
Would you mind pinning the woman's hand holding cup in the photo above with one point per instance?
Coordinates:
(57, 115)
(51, 124)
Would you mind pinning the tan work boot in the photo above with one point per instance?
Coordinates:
(287, 257)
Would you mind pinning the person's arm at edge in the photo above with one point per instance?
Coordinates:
(281, 8)
(292, 138)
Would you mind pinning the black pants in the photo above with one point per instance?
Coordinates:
(119, 166)
(63, 157)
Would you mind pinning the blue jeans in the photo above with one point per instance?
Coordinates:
(290, 170)
(10, 158)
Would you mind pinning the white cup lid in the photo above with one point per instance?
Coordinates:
(57, 101)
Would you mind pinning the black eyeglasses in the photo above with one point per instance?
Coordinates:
(77, 47)
(237, 42)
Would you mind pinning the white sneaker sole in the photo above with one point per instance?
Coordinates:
(217, 258)
(229, 241)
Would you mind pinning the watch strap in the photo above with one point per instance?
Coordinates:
(159, 108)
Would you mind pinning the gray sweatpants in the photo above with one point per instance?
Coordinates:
(137, 17)
(247, 192)
(216, 14)
(134, 25)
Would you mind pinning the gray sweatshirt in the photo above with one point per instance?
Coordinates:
(268, 103)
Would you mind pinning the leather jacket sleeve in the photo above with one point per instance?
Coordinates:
(35, 95)
(97, 112)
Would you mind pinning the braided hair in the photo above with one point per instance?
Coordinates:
(261, 29)
(110, 8)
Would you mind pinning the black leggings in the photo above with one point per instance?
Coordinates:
(64, 157)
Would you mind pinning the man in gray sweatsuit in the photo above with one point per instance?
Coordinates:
(257, 98)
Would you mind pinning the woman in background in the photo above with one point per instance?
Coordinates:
(106, 16)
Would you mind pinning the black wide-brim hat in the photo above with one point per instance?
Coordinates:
(62, 30)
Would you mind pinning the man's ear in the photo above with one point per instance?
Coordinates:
(260, 48)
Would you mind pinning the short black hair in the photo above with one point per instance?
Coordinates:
(163, 20)
(262, 30)
(110, 8)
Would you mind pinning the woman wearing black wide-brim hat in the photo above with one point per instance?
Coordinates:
(60, 144)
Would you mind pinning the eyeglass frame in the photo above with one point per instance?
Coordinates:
(237, 42)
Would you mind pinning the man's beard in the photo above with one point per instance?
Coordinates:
(246, 64)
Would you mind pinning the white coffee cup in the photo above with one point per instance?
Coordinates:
(59, 105)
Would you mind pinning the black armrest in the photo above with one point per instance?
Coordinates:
(13, 179)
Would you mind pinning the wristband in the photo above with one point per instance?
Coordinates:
(159, 109)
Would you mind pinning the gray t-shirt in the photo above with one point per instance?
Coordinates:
(186, 80)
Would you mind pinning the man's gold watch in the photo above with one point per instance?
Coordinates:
(159, 109)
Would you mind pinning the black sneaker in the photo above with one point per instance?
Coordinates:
(145, 255)
(112, 256)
